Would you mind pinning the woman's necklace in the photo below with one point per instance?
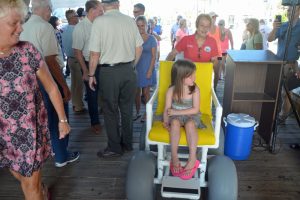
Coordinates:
(3, 52)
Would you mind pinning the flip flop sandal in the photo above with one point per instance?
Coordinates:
(183, 175)
(172, 168)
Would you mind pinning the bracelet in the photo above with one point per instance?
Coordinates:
(63, 121)
(91, 75)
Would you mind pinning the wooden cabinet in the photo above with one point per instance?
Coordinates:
(251, 86)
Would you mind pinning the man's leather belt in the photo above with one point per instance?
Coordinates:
(291, 62)
(114, 65)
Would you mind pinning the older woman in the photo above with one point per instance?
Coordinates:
(199, 47)
(24, 135)
(255, 39)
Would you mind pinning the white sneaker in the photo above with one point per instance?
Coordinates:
(72, 157)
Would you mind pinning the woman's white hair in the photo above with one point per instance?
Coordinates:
(7, 5)
(40, 4)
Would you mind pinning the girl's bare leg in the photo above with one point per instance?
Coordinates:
(174, 138)
(192, 139)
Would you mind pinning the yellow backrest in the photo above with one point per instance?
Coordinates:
(203, 80)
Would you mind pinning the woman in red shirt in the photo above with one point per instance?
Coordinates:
(198, 47)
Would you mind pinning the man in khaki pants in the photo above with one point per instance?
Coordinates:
(76, 75)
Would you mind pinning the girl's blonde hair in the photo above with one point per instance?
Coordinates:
(7, 6)
(181, 69)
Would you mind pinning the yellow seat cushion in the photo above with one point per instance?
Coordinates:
(205, 136)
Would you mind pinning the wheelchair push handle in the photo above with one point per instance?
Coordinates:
(224, 120)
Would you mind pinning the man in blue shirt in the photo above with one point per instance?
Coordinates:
(76, 75)
(291, 67)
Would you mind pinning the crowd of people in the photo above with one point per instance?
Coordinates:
(115, 57)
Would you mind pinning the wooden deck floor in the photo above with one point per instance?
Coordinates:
(264, 176)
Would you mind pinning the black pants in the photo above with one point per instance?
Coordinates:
(117, 91)
(92, 98)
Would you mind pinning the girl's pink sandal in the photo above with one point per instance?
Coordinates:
(174, 173)
(183, 175)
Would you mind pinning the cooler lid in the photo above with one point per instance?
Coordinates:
(240, 120)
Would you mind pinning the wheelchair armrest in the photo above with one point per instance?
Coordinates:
(218, 117)
(149, 112)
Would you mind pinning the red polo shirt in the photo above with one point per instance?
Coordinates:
(189, 46)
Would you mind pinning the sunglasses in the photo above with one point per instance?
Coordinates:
(199, 52)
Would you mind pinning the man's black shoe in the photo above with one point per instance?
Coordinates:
(108, 154)
(126, 149)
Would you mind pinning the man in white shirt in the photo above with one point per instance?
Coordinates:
(115, 47)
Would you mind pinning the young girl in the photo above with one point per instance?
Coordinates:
(182, 109)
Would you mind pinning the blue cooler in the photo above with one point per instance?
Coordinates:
(238, 135)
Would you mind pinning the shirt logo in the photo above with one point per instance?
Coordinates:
(207, 49)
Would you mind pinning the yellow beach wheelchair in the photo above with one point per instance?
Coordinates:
(150, 166)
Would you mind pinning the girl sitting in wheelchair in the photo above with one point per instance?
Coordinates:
(182, 110)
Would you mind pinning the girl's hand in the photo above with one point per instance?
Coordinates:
(171, 112)
(166, 125)
(64, 129)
